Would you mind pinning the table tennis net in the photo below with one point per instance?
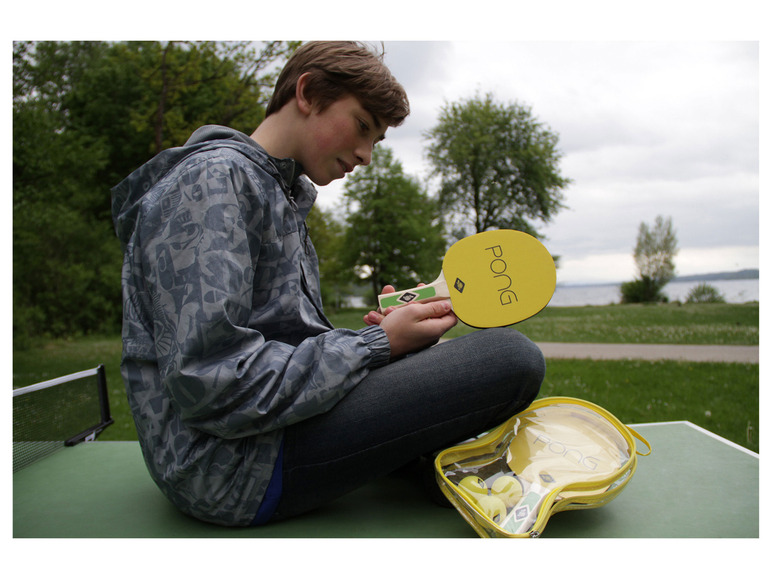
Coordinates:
(61, 412)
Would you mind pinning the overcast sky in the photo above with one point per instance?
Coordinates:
(646, 128)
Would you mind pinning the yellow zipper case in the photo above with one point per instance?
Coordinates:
(559, 454)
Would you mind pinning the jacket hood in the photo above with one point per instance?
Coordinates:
(128, 194)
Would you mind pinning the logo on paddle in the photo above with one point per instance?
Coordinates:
(407, 297)
(459, 285)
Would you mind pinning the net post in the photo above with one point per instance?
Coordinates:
(104, 401)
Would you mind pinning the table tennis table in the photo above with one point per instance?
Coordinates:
(693, 485)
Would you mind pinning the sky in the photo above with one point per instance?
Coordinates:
(646, 128)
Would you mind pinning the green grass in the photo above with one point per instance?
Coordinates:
(61, 357)
(723, 398)
(736, 324)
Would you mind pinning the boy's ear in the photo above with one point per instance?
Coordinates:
(304, 104)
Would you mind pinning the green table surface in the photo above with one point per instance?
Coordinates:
(694, 484)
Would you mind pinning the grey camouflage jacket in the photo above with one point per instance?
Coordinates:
(224, 339)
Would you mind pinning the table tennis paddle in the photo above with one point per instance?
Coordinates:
(495, 278)
(554, 455)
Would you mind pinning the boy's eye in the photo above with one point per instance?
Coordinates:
(364, 127)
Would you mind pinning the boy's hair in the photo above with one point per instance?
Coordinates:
(339, 69)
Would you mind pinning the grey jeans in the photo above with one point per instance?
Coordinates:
(412, 407)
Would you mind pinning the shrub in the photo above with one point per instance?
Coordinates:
(643, 290)
(704, 293)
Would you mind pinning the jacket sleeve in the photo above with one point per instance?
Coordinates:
(203, 243)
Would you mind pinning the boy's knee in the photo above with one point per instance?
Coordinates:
(526, 359)
(520, 347)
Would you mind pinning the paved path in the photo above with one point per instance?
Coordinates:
(745, 354)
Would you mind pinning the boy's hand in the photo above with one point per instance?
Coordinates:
(415, 326)
(374, 318)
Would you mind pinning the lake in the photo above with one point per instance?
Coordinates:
(735, 291)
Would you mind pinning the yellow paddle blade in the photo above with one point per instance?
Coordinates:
(499, 278)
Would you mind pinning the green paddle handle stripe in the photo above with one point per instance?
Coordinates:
(393, 299)
(524, 513)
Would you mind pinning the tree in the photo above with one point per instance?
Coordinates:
(66, 269)
(498, 166)
(85, 114)
(655, 251)
(394, 235)
(327, 234)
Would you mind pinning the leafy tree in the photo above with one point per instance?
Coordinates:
(143, 97)
(327, 234)
(394, 235)
(655, 251)
(498, 166)
(85, 114)
(66, 274)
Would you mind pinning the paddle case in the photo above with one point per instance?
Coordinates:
(559, 454)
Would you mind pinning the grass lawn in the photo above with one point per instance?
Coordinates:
(675, 323)
(723, 398)
(736, 324)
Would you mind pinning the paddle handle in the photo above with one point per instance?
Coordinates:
(437, 290)
(523, 514)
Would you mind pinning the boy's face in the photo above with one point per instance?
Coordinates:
(339, 138)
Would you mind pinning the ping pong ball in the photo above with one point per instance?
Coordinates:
(508, 489)
(493, 507)
(474, 485)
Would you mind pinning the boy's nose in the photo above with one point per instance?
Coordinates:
(364, 154)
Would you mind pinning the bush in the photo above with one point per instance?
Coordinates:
(644, 290)
(704, 293)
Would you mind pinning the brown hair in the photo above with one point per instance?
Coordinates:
(338, 69)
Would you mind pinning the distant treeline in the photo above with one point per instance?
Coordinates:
(742, 274)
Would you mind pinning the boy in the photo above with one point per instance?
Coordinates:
(249, 406)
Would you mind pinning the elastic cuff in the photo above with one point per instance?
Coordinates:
(378, 343)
